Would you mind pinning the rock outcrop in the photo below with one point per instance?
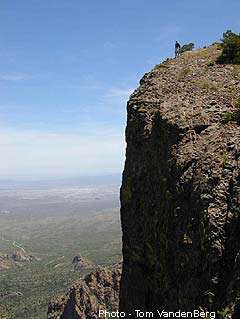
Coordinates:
(21, 256)
(99, 290)
(80, 263)
(181, 188)
(17, 258)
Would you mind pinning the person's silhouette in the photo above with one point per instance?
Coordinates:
(177, 49)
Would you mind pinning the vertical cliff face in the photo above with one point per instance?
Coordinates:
(181, 188)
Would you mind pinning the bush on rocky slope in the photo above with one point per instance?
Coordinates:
(187, 47)
(233, 116)
(231, 48)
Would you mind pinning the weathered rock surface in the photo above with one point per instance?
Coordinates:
(181, 188)
(99, 290)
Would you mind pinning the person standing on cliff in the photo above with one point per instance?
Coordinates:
(177, 49)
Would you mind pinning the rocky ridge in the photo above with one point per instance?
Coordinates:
(99, 290)
(180, 194)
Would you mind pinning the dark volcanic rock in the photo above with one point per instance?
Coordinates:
(99, 290)
(180, 193)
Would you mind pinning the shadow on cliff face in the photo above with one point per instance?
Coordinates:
(176, 256)
(229, 283)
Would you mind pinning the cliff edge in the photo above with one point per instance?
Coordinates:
(180, 193)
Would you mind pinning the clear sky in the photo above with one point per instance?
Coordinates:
(68, 66)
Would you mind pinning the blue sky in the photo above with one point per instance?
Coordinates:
(67, 68)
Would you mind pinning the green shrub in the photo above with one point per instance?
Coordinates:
(228, 117)
(231, 48)
(187, 47)
(232, 116)
(224, 160)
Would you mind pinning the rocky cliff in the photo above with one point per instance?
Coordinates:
(98, 291)
(181, 188)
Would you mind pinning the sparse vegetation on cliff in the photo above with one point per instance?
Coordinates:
(233, 116)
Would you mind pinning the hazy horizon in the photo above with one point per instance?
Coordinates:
(81, 181)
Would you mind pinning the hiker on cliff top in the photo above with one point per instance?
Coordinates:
(177, 49)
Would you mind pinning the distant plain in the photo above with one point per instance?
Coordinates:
(54, 223)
